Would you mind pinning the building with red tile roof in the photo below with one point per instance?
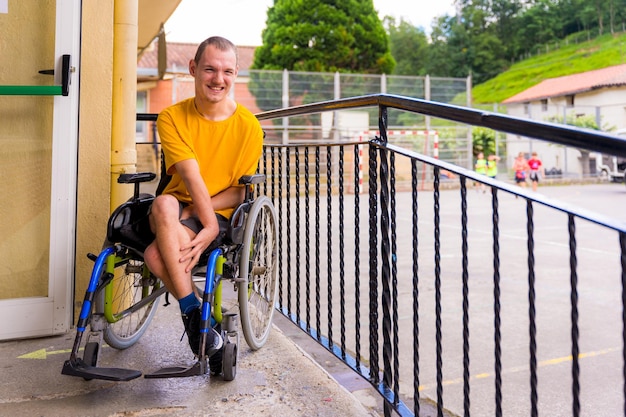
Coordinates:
(600, 94)
(551, 88)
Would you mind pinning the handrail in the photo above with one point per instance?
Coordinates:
(592, 140)
(567, 135)
(42, 90)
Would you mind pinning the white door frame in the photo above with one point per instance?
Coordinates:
(43, 316)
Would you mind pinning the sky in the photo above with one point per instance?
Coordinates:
(242, 21)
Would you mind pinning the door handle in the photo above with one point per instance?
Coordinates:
(65, 75)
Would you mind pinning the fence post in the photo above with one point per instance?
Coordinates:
(285, 97)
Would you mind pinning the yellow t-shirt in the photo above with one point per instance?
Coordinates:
(225, 150)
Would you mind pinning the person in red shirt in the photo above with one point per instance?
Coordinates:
(535, 166)
(520, 166)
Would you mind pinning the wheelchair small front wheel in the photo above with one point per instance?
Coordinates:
(257, 266)
(229, 361)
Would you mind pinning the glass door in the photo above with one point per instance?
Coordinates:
(38, 161)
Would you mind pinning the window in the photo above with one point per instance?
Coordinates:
(544, 104)
(141, 127)
(570, 100)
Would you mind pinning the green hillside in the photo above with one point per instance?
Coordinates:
(601, 52)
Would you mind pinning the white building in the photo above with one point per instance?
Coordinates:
(600, 94)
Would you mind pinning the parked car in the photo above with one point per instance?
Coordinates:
(610, 167)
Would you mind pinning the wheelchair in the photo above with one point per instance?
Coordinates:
(123, 295)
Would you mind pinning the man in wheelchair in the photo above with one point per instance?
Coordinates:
(209, 141)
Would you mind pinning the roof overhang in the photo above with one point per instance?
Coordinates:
(152, 15)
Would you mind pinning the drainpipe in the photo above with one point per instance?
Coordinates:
(123, 151)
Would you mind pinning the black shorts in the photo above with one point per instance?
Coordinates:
(534, 176)
(192, 222)
(195, 225)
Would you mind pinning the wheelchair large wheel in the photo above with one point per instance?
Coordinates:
(128, 317)
(257, 293)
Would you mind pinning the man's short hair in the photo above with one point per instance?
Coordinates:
(220, 43)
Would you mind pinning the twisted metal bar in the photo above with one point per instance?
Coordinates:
(297, 233)
(385, 269)
(532, 329)
(394, 282)
(318, 324)
(342, 272)
(622, 244)
(329, 246)
(373, 254)
(307, 239)
(438, 336)
(416, 333)
(288, 226)
(280, 229)
(273, 169)
(496, 306)
(465, 279)
(357, 258)
(571, 226)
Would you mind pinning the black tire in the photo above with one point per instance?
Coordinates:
(215, 363)
(258, 292)
(132, 283)
(229, 362)
(90, 356)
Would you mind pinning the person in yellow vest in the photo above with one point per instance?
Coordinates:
(481, 167)
(492, 166)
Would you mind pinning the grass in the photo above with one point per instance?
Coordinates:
(601, 52)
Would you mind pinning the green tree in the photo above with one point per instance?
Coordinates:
(438, 61)
(318, 36)
(409, 45)
(483, 140)
(474, 45)
(324, 36)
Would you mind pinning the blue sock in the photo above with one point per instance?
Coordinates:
(188, 303)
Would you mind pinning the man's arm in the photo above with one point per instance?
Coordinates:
(229, 198)
(190, 173)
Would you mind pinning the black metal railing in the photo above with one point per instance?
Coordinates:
(437, 294)
(387, 280)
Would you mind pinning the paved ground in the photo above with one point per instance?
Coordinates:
(281, 379)
(277, 380)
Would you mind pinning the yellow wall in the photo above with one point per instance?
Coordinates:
(94, 156)
(26, 148)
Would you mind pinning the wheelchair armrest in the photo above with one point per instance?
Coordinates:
(135, 178)
(237, 222)
(252, 179)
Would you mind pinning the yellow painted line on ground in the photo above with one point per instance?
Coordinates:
(540, 364)
(43, 353)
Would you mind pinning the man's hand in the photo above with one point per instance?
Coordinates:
(192, 251)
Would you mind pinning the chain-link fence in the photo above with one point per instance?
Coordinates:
(270, 90)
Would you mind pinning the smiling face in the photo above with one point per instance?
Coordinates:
(214, 74)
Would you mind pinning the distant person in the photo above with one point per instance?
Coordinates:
(520, 167)
(536, 167)
(492, 166)
(481, 167)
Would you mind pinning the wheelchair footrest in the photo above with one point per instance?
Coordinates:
(179, 371)
(80, 369)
